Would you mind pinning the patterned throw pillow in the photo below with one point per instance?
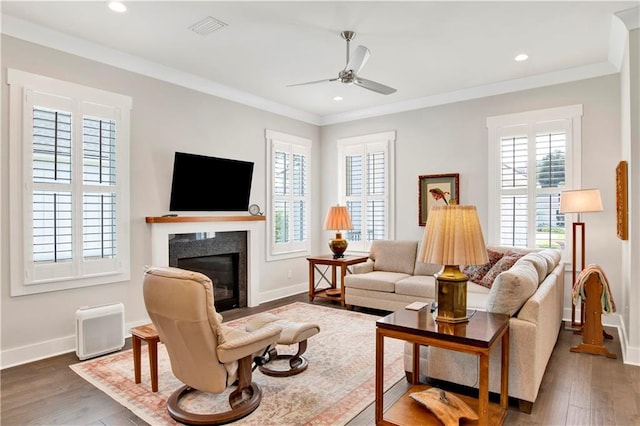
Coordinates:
(504, 264)
(477, 272)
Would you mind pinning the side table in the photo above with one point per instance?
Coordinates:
(328, 260)
(477, 336)
(148, 334)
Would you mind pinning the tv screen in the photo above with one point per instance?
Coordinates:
(202, 183)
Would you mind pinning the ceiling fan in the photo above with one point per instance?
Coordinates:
(355, 63)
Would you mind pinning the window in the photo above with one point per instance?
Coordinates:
(533, 157)
(366, 178)
(288, 174)
(69, 148)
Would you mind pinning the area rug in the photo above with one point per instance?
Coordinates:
(338, 384)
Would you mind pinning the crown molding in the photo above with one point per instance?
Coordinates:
(40, 35)
(56, 40)
(533, 82)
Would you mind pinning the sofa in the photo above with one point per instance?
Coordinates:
(527, 284)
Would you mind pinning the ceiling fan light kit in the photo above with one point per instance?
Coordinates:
(354, 63)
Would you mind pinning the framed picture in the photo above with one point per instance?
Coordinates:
(436, 190)
(621, 200)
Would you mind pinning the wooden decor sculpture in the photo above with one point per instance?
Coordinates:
(592, 286)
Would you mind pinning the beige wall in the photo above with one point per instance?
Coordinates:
(165, 118)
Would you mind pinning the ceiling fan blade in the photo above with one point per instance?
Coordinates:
(358, 59)
(313, 82)
(372, 85)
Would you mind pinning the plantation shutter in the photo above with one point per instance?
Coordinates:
(366, 192)
(52, 198)
(99, 178)
(289, 194)
(532, 175)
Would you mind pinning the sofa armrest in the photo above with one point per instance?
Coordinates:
(362, 268)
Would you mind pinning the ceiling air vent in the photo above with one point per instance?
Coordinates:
(207, 26)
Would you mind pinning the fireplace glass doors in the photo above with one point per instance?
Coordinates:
(222, 256)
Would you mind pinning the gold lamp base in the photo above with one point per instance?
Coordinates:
(451, 295)
(338, 246)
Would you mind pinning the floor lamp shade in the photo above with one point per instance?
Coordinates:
(338, 219)
(453, 237)
(579, 201)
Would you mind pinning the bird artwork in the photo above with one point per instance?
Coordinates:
(439, 194)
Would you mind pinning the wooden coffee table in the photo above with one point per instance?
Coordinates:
(478, 336)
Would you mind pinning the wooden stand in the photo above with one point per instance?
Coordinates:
(592, 332)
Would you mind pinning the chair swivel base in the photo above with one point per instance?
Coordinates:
(297, 363)
(241, 406)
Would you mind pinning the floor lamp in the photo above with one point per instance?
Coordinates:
(579, 201)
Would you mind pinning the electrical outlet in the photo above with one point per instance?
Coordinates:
(289, 274)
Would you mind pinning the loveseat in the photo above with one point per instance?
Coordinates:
(527, 284)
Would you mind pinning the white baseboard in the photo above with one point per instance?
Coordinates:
(268, 296)
(47, 349)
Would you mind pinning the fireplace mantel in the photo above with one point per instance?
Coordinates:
(164, 226)
(178, 219)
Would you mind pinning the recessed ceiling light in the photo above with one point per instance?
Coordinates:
(117, 6)
(522, 57)
(337, 98)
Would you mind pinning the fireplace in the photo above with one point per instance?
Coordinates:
(222, 256)
(163, 230)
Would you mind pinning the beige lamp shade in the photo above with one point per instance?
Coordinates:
(580, 201)
(338, 218)
(453, 236)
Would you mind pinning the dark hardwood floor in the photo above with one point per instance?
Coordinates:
(577, 389)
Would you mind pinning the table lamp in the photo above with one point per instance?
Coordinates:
(338, 219)
(453, 237)
(579, 201)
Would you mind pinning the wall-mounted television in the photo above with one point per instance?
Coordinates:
(202, 183)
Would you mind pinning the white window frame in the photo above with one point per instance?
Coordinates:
(278, 141)
(363, 144)
(530, 123)
(27, 277)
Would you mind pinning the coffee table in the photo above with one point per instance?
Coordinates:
(478, 336)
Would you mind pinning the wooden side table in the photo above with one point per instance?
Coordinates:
(145, 333)
(332, 292)
(477, 336)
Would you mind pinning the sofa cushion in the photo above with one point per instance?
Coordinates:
(553, 258)
(394, 255)
(505, 263)
(426, 268)
(417, 285)
(512, 288)
(537, 261)
(477, 272)
(376, 280)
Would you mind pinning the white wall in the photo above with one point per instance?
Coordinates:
(165, 118)
(453, 139)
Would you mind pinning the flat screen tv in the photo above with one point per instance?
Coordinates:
(202, 183)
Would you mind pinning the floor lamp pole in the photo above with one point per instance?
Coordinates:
(575, 271)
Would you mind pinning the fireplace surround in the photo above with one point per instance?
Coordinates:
(162, 228)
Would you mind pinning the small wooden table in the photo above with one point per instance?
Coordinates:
(148, 334)
(328, 260)
(477, 336)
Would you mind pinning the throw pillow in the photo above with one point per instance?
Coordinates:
(505, 263)
(477, 272)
